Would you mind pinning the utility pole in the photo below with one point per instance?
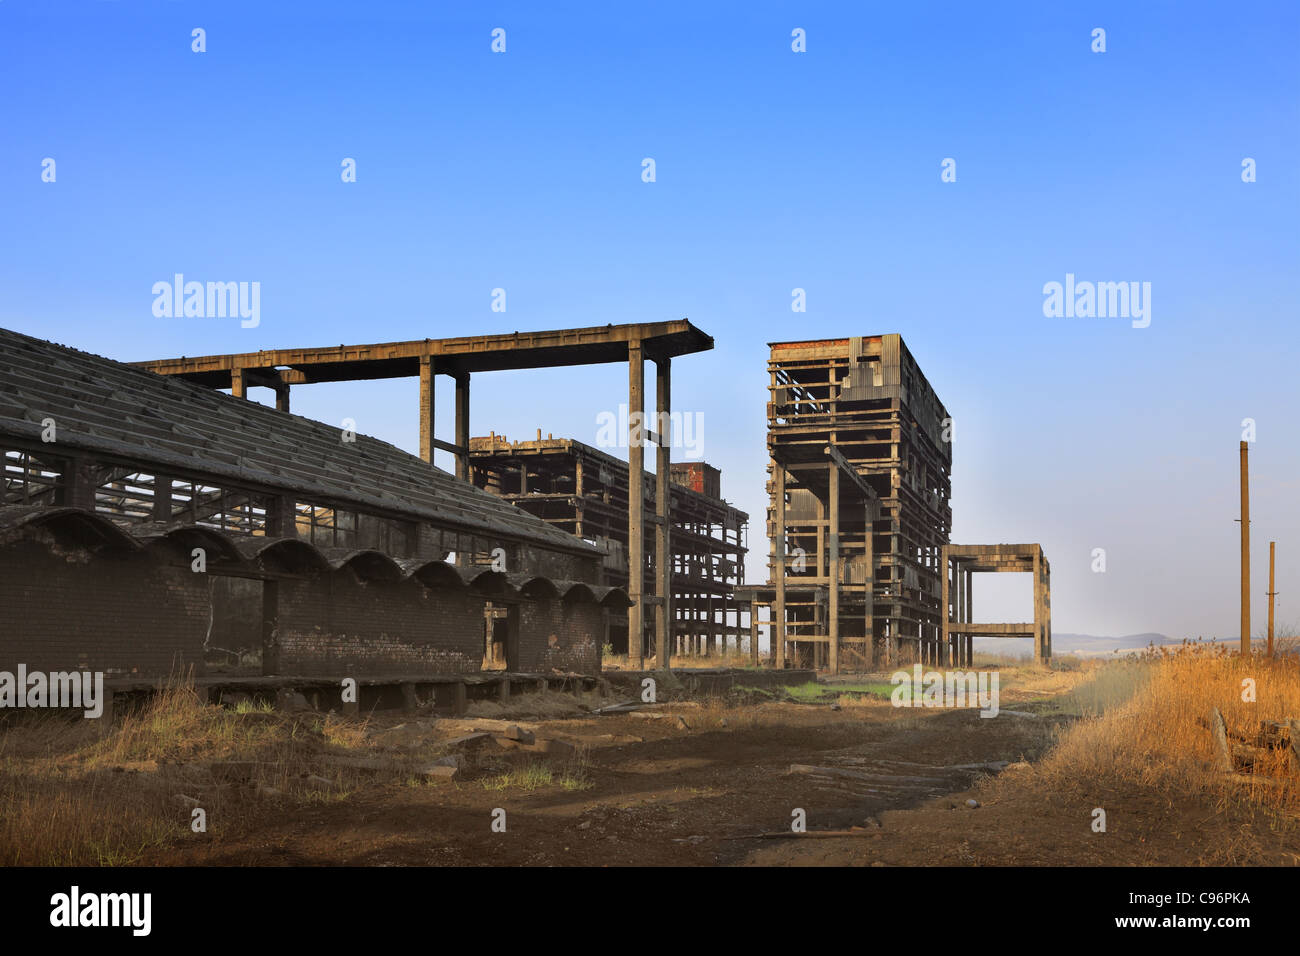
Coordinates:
(1245, 550)
(1272, 554)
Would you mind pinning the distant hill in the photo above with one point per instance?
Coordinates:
(1082, 645)
(1089, 645)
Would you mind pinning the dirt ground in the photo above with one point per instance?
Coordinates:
(703, 783)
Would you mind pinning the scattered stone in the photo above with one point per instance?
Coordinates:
(451, 760)
(440, 771)
(319, 782)
(682, 724)
(264, 791)
(973, 804)
(515, 732)
(561, 748)
(584, 825)
(186, 801)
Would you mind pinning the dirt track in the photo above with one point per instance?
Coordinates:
(697, 794)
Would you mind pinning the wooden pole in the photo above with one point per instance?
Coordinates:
(1272, 554)
(1245, 549)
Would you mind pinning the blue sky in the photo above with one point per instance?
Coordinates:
(774, 170)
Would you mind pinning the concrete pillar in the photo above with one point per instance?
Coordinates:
(778, 567)
(238, 383)
(753, 633)
(462, 426)
(635, 503)
(162, 498)
(426, 407)
(1039, 655)
(663, 501)
(833, 544)
(409, 700)
(953, 649)
(869, 603)
(282, 398)
(966, 616)
(945, 594)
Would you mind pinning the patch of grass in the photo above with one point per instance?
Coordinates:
(529, 777)
(250, 706)
(806, 692)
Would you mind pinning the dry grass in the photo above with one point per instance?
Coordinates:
(71, 796)
(1147, 727)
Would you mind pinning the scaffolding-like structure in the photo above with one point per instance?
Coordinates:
(584, 491)
(860, 453)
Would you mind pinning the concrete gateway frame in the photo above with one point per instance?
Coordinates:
(959, 563)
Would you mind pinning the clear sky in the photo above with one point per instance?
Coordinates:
(775, 170)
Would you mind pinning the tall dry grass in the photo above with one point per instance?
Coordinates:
(1149, 726)
(70, 795)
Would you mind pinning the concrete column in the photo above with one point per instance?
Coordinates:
(426, 407)
(162, 498)
(953, 649)
(753, 633)
(869, 626)
(663, 501)
(966, 616)
(945, 584)
(778, 567)
(1038, 610)
(462, 426)
(282, 398)
(635, 502)
(239, 384)
(833, 544)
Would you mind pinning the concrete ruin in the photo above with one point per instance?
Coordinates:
(960, 562)
(860, 455)
(584, 491)
(148, 522)
(461, 357)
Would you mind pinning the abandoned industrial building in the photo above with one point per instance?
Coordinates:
(860, 457)
(151, 524)
(584, 491)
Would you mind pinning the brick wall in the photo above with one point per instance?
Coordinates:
(334, 624)
(123, 613)
(559, 634)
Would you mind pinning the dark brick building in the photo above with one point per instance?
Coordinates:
(149, 525)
